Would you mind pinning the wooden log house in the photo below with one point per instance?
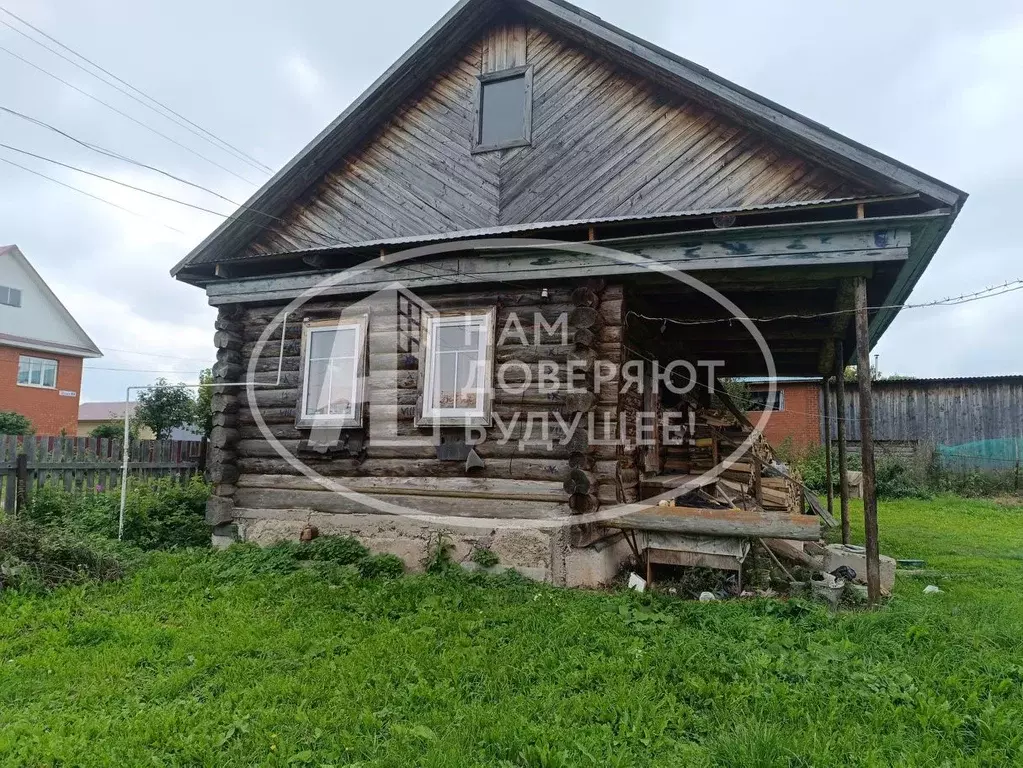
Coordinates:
(371, 290)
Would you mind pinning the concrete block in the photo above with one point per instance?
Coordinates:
(856, 558)
(593, 566)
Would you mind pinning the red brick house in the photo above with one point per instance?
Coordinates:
(795, 411)
(41, 349)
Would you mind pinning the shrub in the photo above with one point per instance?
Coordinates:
(159, 514)
(12, 423)
(343, 550)
(894, 479)
(37, 558)
(811, 466)
(484, 557)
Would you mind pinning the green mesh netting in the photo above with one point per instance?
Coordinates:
(987, 454)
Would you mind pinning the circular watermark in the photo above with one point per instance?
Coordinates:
(459, 394)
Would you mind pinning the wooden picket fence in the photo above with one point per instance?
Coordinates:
(88, 463)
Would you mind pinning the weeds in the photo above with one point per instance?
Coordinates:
(159, 514)
(485, 557)
(263, 657)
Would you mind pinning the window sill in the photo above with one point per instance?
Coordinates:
(431, 421)
(478, 149)
(38, 386)
(328, 424)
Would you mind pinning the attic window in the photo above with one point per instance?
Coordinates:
(504, 109)
(10, 296)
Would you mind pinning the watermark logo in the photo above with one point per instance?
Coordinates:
(474, 377)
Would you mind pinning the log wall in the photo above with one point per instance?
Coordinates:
(527, 476)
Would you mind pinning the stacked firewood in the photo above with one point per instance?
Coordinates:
(751, 476)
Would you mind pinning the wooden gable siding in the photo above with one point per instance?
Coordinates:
(605, 143)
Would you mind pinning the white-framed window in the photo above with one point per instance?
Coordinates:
(761, 401)
(333, 365)
(10, 296)
(503, 109)
(37, 372)
(458, 369)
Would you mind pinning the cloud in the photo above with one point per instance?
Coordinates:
(302, 76)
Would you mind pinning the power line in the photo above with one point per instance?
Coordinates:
(124, 114)
(115, 155)
(124, 158)
(175, 117)
(129, 186)
(987, 293)
(113, 181)
(156, 354)
(89, 194)
(127, 370)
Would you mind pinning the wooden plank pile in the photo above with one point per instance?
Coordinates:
(750, 477)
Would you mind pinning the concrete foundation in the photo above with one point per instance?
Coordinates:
(542, 554)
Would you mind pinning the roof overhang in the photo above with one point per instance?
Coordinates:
(38, 345)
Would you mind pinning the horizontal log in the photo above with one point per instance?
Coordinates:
(227, 340)
(335, 503)
(584, 503)
(453, 487)
(219, 510)
(579, 481)
(508, 469)
(713, 522)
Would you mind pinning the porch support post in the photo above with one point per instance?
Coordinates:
(827, 445)
(843, 464)
(867, 443)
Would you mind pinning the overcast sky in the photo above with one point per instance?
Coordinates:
(936, 84)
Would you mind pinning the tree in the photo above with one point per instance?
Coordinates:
(12, 423)
(738, 392)
(114, 430)
(109, 431)
(203, 417)
(164, 407)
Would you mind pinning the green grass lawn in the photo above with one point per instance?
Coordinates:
(182, 665)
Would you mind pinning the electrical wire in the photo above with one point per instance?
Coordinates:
(987, 293)
(125, 115)
(154, 354)
(185, 121)
(135, 188)
(89, 194)
(118, 155)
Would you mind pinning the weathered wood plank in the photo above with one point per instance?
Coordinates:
(711, 522)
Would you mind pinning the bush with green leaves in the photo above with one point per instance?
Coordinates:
(159, 514)
(12, 423)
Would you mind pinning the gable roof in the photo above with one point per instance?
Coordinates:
(83, 347)
(466, 19)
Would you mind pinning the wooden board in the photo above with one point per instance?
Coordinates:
(712, 522)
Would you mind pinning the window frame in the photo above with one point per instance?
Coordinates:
(7, 299)
(482, 416)
(32, 359)
(305, 420)
(526, 72)
(779, 396)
